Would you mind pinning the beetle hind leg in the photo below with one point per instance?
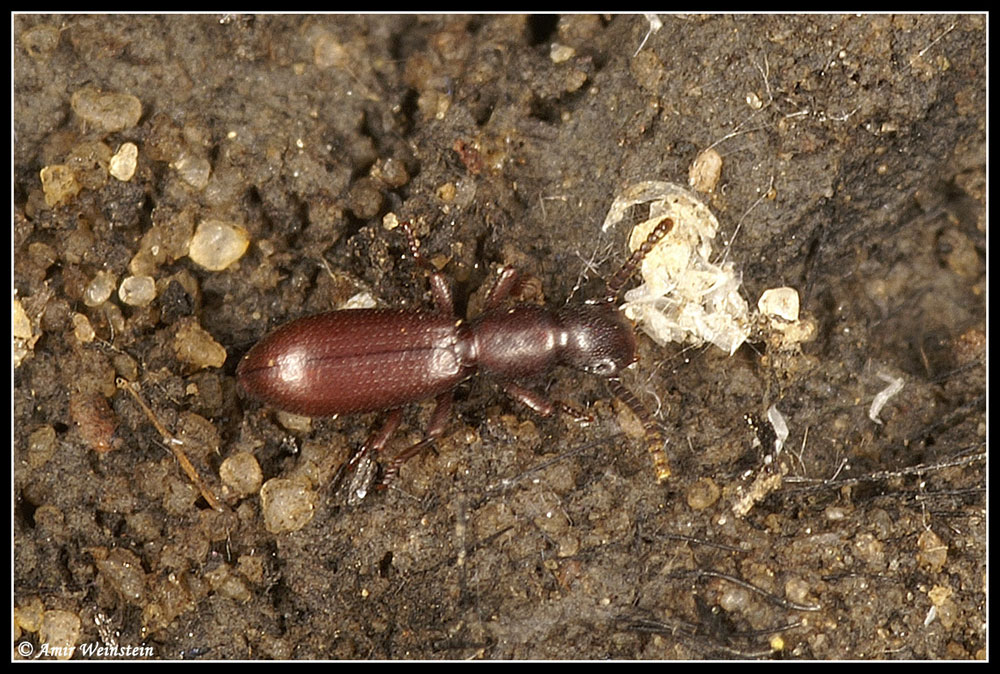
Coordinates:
(435, 429)
(361, 467)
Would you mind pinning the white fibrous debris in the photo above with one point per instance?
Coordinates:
(895, 385)
(654, 26)
(684, 297)
(361, 300)
(931, 615)
(780, 427)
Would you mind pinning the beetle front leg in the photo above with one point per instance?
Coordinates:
(542, 405)
(502, 287)
(440, 289)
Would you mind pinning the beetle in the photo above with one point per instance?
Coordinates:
(371, 360)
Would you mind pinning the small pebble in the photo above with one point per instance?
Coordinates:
(123, 162)
(89, 163)
(559, 53)
(703, 494)
(99, 289)
(241, 473)
(287, 504)
(21, 324)
(194, 170)
(60, 633)
(797, 590)
(59, 184)
(391, 171)
(228, 584)
(82, 328)
(446, 192)
(364, 198)
(137, 291)
(780, 303)
(94, 419)
(296, 422)
(42, 255)
(40, 41)
(29, 613)
(113, 314)
(328, 52)
(939, 594)
(705, 171)
(932, 551)
(195, 346)
(107, 111)
(123, 571)
(41, 446)
(217, 244)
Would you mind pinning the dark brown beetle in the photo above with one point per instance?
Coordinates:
(370, 360)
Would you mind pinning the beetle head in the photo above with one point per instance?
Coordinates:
(596, 339)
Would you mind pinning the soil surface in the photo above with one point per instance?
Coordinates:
(853, 170)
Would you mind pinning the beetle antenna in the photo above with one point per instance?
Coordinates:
(621, 277)
(654, 436)
(414, 246)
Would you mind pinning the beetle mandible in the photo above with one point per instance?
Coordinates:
(371, 360)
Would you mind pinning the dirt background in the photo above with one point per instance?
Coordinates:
(854, 155)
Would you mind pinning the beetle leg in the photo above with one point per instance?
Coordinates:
(502, 287)
(542, 405)
(360, 466)
(535, 401)
(435, 429)
(376, 442)
(440, 288)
